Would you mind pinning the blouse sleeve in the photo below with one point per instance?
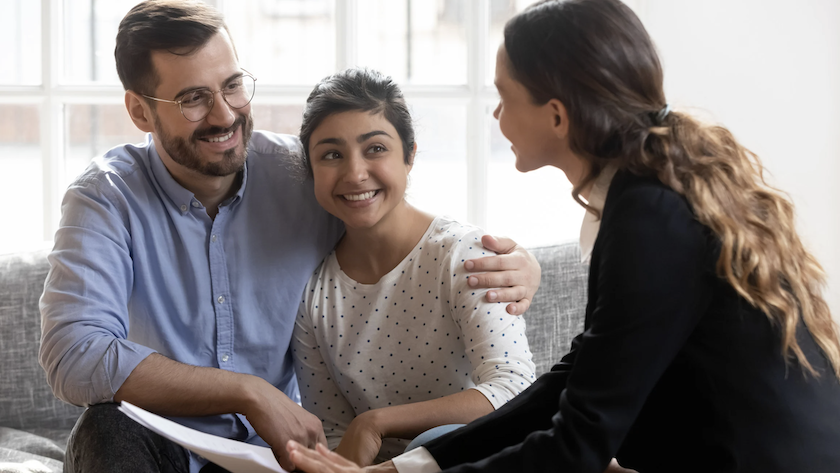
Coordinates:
(494, 341)
(319, 392)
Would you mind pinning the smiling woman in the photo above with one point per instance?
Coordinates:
(360, 174)
(390, 341)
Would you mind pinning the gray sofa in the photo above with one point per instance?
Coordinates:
(34, 425)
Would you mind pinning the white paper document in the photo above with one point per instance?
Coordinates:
(238, 457)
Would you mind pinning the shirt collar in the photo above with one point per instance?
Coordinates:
(592, 223)
(181, 197)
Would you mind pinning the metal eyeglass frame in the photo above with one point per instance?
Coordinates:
(212, 99)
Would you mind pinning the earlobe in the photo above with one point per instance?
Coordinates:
(139, 112)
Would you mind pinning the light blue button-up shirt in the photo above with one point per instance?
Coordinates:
(139, 267)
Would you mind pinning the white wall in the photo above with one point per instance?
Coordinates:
(770, 71)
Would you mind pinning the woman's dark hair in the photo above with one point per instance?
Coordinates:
(597, 59)
(355, 89)
(179, 27)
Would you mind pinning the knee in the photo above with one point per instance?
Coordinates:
(101, 428)
(102, 421)
(104, 439)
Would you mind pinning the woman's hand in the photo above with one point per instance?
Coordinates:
(321, 460)
(514, 274)
(614, 467)
(362, 440)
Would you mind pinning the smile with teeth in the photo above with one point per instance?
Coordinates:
(363, 196)
(219, 139)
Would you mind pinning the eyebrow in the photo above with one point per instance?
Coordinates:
(190, 89)
(331, 141)
(367, 136)
(360, 139)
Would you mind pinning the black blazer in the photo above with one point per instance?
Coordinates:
(675, 372)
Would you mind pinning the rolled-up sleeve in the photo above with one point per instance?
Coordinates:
(84, 308)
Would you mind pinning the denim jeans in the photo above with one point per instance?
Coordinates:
(106, 440)
(432, 434)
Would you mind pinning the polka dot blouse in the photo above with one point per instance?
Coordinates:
(420, 333)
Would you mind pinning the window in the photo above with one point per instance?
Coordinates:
(61, 102)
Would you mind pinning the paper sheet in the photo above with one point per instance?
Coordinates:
(238, 457)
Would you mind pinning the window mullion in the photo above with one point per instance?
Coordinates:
(346, 23)
(477, 132)
(52, 132)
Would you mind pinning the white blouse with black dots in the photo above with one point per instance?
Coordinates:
(420, 333)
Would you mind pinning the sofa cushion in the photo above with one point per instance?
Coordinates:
(26, 400)
(558, 309)
(17, 448)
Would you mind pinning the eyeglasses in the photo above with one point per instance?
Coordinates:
(196, 104)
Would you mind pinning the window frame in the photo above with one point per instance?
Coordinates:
(52, 96)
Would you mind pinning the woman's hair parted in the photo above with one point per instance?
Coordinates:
(354, 89)
(597, 58)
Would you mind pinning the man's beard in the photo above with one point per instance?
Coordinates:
(187, 154)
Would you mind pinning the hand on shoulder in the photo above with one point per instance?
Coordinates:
(513, 274)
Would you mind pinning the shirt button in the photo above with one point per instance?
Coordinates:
(225, 358)
(221, 299)
(184, 208)
(196, 204)
(213, 238)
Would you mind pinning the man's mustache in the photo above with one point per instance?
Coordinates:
(217, 130)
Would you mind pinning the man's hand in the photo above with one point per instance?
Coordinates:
(277, 419)
(514, 274)
(321, 460)
(362, 441)
(170, 388)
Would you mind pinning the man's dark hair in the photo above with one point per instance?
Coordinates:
(177, 26)
(355, 89)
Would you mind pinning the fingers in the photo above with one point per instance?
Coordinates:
(496, 263)
(334, 457)
(303, 427)
(519, 307)
(498, 279)
(305, 459)
(500, 245)
(320, 460)
(507, 294)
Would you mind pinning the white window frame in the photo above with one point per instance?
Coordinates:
(52, 97)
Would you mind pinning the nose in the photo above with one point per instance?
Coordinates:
(496, 112)
(221, 114)
(355, 168)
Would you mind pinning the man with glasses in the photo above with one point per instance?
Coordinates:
(180, 262)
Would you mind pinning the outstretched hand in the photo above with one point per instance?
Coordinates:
(513, 275)
(321, 460)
